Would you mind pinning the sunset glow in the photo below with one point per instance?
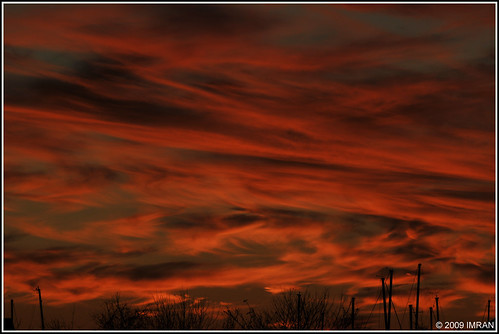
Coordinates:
(236, 151)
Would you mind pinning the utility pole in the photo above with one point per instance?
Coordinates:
(353, 312)
(9, 322)
(417, 297)
(436, 302)
(41, 308)
(390, 299)
(431, 318)
(410, 316)
(488, 311)
(384, 301)
(299, 311)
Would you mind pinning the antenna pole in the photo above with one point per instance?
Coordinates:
(41, 308)
(384, 301)
(390, 300)
(417, 297)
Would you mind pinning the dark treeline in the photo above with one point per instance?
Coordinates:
(287, 310)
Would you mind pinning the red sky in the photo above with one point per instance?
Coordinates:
(239, 150)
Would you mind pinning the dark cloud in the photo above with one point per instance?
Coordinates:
(202, 20)
(241, 219)
(256, 160)
(48, 93)
(270, 216)
(393, 42)
(296, 212)
(358, 174)
(100, 68)
(91, 174)
(48, 255)
(253, 293)
(303, 246)
(447, 109)
(484, 273)
(351, 227)
(213, 81)
(146, 272)
(13, 236)
(72, 272)
(136, 58)
(34, 59)
(185, 22)
(430, 10)
(250, 254)
(414, 250)
(13, 174)
(180, 223)
(191, 221)
(71, 254)
(483, 196)
(36, 138)
(289, 216)
(425, 229)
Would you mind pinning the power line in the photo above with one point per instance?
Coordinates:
(409, 297)
(375, 303)
(484, 311)
(394, 310)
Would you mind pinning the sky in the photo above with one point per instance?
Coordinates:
(237, 151)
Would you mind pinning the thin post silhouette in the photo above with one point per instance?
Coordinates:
(431, 317)
(41, 307)
(417, 297)
(436, 302)
(384, 301)
(390, 300)
(9, 322)
(410, 316)
(353, 312)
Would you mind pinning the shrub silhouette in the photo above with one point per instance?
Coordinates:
(238, 319)
(117, 314)
(188, 313)
(58, 324)
(163, 313)
(315, 312)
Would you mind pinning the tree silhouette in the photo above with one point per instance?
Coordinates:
(188, 313)
(117, 314)
(289, 310)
